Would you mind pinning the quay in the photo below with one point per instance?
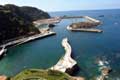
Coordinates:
(66, 62)
(28, 39)
(85, 30)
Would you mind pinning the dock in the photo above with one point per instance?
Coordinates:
(66, 62)
(28, 39)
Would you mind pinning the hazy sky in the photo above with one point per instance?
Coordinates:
(66, 5)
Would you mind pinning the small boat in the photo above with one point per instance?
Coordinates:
(2, 51)
(101, 15)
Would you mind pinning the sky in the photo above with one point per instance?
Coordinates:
(66, 5)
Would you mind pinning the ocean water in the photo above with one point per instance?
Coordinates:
(87, 47)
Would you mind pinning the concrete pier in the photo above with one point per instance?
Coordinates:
(66, 62)
(27, 39)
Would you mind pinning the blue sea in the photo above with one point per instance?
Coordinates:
(87, 47)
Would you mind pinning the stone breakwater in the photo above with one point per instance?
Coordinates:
(86, 26)
(66, 62)
(84, 30)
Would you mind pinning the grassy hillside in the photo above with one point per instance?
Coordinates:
(37, 74)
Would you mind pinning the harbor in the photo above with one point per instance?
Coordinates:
(37, 51)
(59, 40)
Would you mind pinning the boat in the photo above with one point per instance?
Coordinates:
(101, 15)
(2, 51)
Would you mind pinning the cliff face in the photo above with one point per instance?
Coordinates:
(17, 21)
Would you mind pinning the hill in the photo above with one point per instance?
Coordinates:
(16, 21)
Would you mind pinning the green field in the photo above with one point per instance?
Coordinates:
(38, 74)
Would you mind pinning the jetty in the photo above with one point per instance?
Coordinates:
(28, 39)
(66, 62)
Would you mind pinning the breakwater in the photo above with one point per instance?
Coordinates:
(85, 30)
(86, 26)
(66, 62)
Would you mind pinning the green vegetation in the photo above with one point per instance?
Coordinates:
(37, 74)
(17, 21)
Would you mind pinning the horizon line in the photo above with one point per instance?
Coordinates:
(85, 10)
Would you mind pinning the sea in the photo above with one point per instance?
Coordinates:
(87, 48)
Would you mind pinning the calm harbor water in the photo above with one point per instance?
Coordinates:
(87, 47)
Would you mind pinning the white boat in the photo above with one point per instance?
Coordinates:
(2, 51)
